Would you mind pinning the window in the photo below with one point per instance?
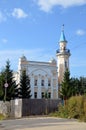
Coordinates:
(35, 94)
(65, 64)
(42, 95)
(49, 95)
(42, 82)
(35, 82)
(49, 82)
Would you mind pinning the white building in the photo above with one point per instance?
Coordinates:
(44, 75)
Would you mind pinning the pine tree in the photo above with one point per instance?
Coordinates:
(66, 88)
(9, 92)
(24, 89)
(1, 86)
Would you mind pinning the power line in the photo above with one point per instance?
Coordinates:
(77, 46)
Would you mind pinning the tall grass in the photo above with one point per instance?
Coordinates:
(2, 116)
(75, 108)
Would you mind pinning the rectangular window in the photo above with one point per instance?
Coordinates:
(42, 95)
(49, 82)
(35, 82)
(35, 95)
(42, 82)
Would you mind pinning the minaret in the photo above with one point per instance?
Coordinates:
(62, 56)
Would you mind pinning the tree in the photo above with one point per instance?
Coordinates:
(66, 86)
(79, 86)
(24, 89)
(1, 86)
(75, 85)
(7, 77)
(82, 85)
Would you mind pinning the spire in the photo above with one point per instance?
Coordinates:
(62, 37)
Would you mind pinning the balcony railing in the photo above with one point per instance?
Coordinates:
(63, 51)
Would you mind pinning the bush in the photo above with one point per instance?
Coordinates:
(62, 111)
(74, 108)
(2, 116)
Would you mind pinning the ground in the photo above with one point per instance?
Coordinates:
(43, 123)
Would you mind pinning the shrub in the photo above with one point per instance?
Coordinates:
(2, 116)
(74, 108)
(63, 111)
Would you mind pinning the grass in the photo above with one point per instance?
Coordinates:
(2, 117)
(74, 108)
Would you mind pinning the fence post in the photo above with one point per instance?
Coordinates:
(16, 108)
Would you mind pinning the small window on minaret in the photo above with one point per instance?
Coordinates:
(65, 64)
(64, 47)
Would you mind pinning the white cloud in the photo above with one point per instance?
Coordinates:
(80, 32)
(2, 17)
(19, 13)
(47, 5)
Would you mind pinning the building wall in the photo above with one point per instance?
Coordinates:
(43, 77)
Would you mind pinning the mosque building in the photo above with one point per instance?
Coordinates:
(46, 77)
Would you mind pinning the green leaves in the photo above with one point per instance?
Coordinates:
(24, 89)
(65, 86)
(7, 77)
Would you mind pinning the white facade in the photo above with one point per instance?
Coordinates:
(43, 77)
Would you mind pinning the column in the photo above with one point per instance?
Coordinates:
(39, 86)
(32, 86)
(51, 88)
(46, 82)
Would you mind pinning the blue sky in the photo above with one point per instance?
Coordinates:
(33, 28)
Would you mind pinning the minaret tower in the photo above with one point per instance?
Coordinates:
(62, 56)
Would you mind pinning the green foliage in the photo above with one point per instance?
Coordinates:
(2, 81)
(2, 116)
(46, 95)
(66, 88)
(63, 111)
(24, 89)
(74, 108)
(7, 77)
(55, 114)
(79, 86)
(10, 80)
(72, 86)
